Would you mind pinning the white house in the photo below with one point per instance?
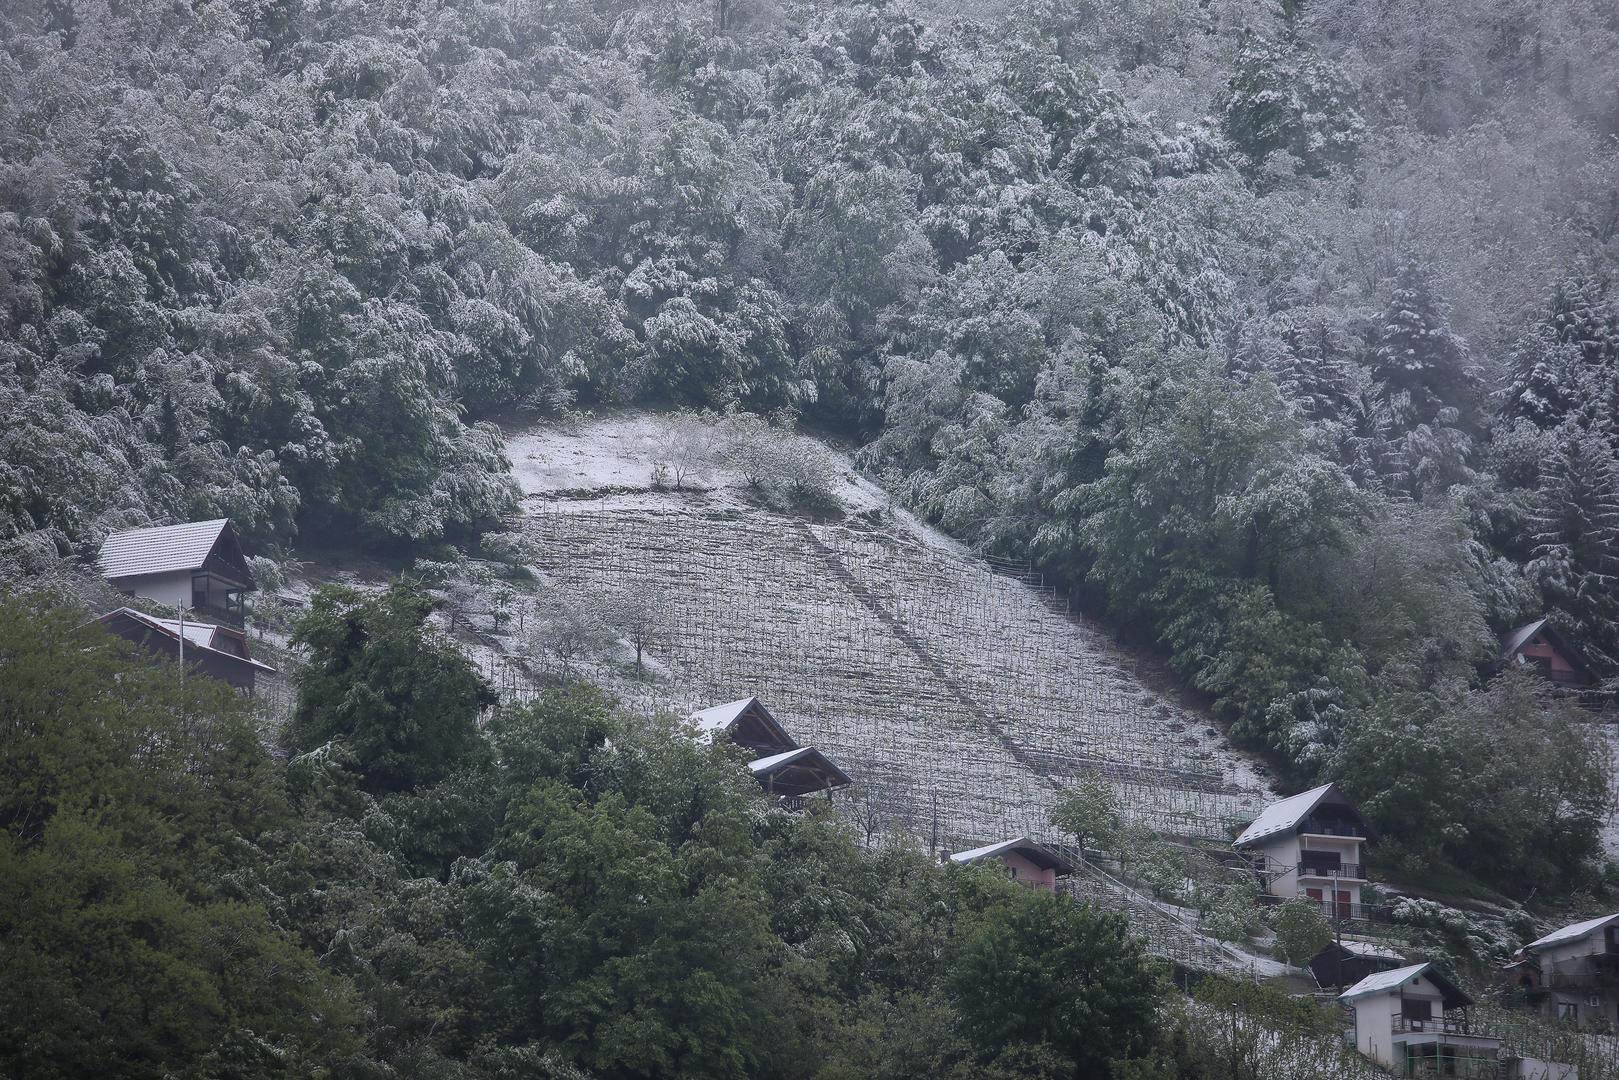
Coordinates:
(198, 565)
(1413, 1022)
(1572, 974)
(781, 766)
(1309, 845)
(1026, 862)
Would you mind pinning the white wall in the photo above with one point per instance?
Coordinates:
(1374, 1027)
(171, 589)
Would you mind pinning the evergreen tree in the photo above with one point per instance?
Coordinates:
(1574, 348)
(1428, 387)
(1576, 523)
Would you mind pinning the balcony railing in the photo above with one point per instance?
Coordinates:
(1595, 977)
(1314, 827)
(1353, 871)
(1444, 1025)
(1336, 911)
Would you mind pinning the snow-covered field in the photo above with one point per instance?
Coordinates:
(960, 702)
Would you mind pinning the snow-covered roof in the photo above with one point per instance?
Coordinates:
(1520, 637)
(164, 549)
(1371, 950)
(1572, 932)
(760, 766)
(1386, 982)
(1285, 816)
(197, 635)
(819, 774)
(721, 717)
(1042, 856)
(747, 721)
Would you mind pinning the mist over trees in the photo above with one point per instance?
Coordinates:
(1286, 332)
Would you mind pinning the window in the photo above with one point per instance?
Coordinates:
(1567, 1010)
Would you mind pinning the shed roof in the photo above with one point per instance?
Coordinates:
(1285, 816)
(1039, 854)
(197, 635)
(748, 721)
(1386, 982)
(799, 771)
(167, 549)
(1572, 932)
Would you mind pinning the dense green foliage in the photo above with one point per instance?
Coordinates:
(579, 895)
(402, 703)
(1286, 331)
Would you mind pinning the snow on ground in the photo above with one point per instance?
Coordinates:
(1608, 735)
(931, 680)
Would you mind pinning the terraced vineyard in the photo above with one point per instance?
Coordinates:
(961, 700)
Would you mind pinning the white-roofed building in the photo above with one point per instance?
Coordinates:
(198, 565)
(1572, 973)
(782, 767)
(1309, 845)
(1025, 861)
(220, 652)
(1413, 1022)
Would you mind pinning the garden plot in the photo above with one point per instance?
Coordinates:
(961, 703)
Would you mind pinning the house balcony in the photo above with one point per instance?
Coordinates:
(1330, 827)
(217, 613)
(1341, 872)
(1432, 1025)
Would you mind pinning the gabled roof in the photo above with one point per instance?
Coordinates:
(1041, 856)
(1285, 817)
(198, 636)
(1387, 982)
(1520, 637)
(1517, 639)
(799, 771)
(169, 549)
(1572, 932)
(747, 721)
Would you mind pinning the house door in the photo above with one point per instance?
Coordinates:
(1315, 895)
(1345, 908)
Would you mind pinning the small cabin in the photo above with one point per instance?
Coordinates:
(198, 566)
(1540, 646)
(1346, 962)
(219, 652)
(1026, 862)
(1309, 846)
(782, 767)
(1413, 1022)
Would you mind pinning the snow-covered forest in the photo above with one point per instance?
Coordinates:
(1287, 332)
(1284, 335)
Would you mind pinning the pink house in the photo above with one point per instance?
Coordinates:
(1026, 862)
(1538, 644)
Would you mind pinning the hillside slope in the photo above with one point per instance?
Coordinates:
(960, 701)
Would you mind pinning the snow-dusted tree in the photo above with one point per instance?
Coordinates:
(1428, 385)
(1423, 366)
(1284, 98)
(687, 445)
(640, 616)
(571, 625)
(1576, 523)
(1569, 360)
